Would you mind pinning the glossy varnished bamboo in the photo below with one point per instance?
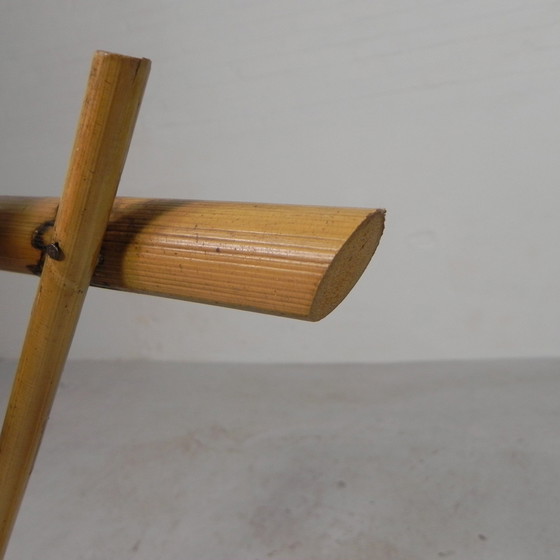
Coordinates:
(295, 261)
(113, 95)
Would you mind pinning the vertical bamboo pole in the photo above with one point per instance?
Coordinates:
(113, 95)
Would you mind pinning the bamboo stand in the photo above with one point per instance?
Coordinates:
(295, 261)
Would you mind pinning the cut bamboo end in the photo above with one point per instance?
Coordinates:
(293, 261)
(347, 265)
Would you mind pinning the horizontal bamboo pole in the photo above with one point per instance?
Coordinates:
(295, 261)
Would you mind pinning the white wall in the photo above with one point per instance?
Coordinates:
(445, 113)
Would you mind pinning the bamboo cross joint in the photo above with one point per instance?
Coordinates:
(293, 261)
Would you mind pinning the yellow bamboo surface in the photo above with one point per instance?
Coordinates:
(296, 261)
(115, 87)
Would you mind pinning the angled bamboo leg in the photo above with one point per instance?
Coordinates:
(109, 112)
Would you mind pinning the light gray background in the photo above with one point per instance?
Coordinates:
(445, 113)
(175, 461)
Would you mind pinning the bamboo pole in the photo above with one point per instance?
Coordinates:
(113, 95)
(295, 261)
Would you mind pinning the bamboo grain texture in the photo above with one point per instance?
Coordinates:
(294, 261)
(115, 88)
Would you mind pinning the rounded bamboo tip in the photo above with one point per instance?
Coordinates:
(347, 265)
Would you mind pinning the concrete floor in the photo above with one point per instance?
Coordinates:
(325, 462)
